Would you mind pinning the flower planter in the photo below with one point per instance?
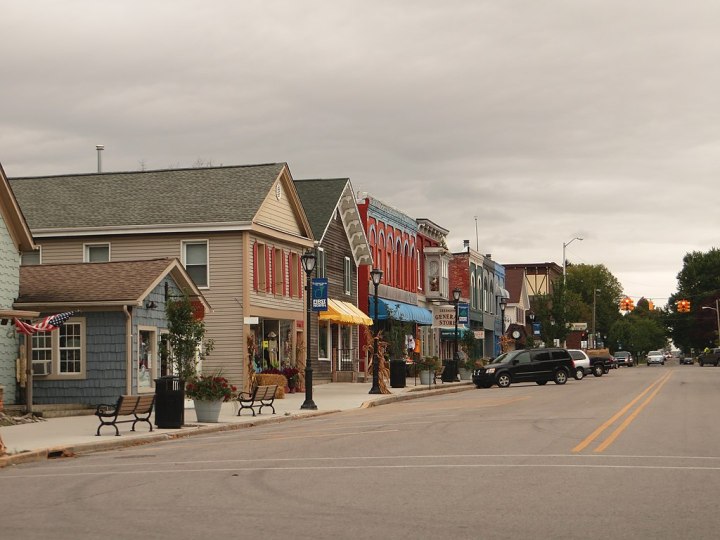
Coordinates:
(465, 374)
(207, 411)
(425, 376)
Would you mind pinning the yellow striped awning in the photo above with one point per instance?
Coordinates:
(344, 312)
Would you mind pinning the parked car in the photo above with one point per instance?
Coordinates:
(623, 358)
(581, 362)
(602, 363)
(655, 357)
(712, 357)
(525, 365)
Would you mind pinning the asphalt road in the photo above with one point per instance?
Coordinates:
(633, 454)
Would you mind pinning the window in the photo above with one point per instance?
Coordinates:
(63, 349)
(96, 253)
(278, 272)
(30, 258)
(323, 341)
(195, 259)
(147, 354)
(348, 276)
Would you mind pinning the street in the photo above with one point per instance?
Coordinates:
(633, 454)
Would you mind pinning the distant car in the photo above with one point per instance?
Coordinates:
(711, 357)
(656, 357)
(623, 358)
(685, 359)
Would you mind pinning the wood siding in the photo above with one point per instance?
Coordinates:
(280, 213)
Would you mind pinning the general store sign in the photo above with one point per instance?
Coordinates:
(444, 316)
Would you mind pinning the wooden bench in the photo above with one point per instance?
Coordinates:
(261, 396)
(139, 407)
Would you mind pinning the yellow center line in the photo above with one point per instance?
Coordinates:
(595, 434)
(614, 435)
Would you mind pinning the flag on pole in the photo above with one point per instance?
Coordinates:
(52, 322)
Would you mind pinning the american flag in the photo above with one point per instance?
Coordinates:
(53, 322)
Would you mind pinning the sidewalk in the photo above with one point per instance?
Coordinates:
(57, 437)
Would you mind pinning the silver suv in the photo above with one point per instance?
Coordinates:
(581, 361)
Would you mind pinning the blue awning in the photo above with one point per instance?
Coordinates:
(399, 311)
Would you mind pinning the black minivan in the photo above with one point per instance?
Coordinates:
(525, 365)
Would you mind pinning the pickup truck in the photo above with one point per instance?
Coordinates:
(601, 363)
(712, 357)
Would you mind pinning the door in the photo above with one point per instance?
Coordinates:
(522, 368)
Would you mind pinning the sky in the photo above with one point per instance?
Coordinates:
(516, 124)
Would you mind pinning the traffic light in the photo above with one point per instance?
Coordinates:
(651, 306)
(626, 304)
(683, 306)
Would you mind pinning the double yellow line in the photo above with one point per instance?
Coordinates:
(657, 385)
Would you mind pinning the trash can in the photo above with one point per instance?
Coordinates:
(450, 372)
(397, 373)
(169, 402)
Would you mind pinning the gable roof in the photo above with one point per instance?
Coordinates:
(321, 198)
(514, 281)
(162, 200)
(13, 217)
(101, 284)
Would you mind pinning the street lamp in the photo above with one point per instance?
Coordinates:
(376, 275)
(595, 291)
(308, 263)
(716, 309)
(566, 244)
(456, 301)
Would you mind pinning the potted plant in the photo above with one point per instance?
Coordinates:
(426, 367)
(467, 355)
(293, 377)
(209, 392)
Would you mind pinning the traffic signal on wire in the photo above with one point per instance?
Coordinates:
(683, 306)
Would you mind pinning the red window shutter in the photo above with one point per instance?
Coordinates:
(299, 278)
(286, 284)
(268, 275)
(255, 266)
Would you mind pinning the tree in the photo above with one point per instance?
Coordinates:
(555, 312)
(637, 333)
(584, 279)
(698, 282)
(185, 344)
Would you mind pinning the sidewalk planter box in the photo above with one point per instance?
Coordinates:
(207, 411)
(397, 373)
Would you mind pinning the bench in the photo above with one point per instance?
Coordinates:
(261, 396)
(139, 407)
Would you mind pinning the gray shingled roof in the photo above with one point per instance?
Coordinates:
(165, 197)
(319, 198)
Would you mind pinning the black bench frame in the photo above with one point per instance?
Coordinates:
(140, 407)
(261, 396)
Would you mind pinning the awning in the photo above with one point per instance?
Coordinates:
(344, 312)
(399, 311)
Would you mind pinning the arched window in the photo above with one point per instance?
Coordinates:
(380, 264)
(485, 294)
(373, 247)
(389, 261)
(473, 292)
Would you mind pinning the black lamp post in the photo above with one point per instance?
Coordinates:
(456, 301)
(376, 275)
(308, 264)
(503, 305)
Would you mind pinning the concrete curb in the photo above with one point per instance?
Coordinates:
(185, 432)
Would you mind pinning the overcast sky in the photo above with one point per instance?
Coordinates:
(537, 121)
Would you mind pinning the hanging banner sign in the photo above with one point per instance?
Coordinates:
(463, 314)
(319, 294)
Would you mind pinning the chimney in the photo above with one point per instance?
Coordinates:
(99, 148)
(488, 255)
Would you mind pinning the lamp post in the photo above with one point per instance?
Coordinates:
(503, 305)
(376, 275)
(716, 309)
(595, 291)
(456, 301)
(308, 263)
(566, 244)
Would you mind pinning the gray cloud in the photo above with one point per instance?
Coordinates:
(546, 120)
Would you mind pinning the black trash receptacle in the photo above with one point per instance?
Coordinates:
(397, 373)
(169, 402)
(450, 372)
